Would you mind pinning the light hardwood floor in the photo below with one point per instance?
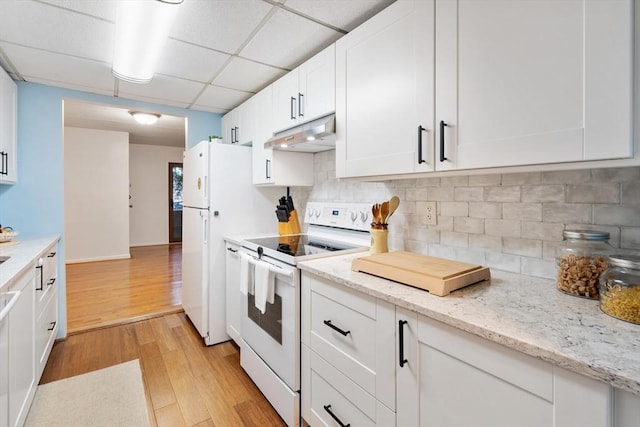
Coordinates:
(106, 293)
(186, 383)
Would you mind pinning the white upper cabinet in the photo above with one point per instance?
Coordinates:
(532, 82)
(306, 93)
(275, 168)
(484, 83)
(8, 144)
(384, 93)
(238, 125)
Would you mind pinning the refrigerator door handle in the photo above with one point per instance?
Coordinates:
(205, 226)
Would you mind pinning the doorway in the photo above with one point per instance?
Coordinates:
(175, 202)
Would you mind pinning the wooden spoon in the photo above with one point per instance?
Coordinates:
(384, 212)
(394, 202)
(375, 210)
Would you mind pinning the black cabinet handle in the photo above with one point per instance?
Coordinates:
(300, 112)
(293, 103)
(335, 328)
(402, 359)
(51, 255)
(267, 168)
(51, 281)
(232, 130)
(4, 163)
(52, 327)
(442, 126)
(41, 278)
(420, 130)
(232, 250)
(334, 416)
(236, 135)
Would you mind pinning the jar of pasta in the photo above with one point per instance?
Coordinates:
(620, 288)
(580, 260)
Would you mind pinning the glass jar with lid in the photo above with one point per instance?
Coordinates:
(620, 288)
(580, 260)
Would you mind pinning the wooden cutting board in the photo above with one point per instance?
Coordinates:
(439, 276)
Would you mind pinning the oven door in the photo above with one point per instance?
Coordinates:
(275, 335)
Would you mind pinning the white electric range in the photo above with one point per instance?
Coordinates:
(270, 345)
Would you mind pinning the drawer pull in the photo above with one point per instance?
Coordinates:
(232, 250)
(51, 281)
(334, 416)
(53, 326)
(51, 255)
(335, 328)
(401, 324)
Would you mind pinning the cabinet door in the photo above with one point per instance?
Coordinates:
(317, 85)
(532, 82)
(285, 101)
(233, 291)
(262, 115)
(230, 127)
(21, 351)
(8, 106)
(384, 93)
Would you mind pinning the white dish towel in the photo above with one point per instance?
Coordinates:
(246, 274)
(264, 285)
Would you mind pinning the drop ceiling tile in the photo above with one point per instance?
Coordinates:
(190, 62)
(99, 8)
(60, 69)
(154, 100)
(247, 75)
(287, 39)
(345, 15)
(163, 88)
(51, 28)
(222, 24)
(222, 98)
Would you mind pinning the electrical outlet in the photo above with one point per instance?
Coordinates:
(431, 216)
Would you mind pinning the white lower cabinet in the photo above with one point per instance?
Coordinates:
(46, 308)
(22, 379)
(347, 362)
(233, 290)
(452, 378)
(366, 362)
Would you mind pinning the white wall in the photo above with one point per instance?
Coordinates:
(148, 171)
(96, 191)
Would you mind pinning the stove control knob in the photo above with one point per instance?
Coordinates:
(364, 215)
(317, 213)
(310, 212)
(354, 216)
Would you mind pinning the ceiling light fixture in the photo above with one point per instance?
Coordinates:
(145, 118)
(142, 28)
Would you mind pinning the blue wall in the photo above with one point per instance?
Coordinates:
(35, 205)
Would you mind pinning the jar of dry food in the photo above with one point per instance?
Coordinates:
(580, 259)
(620, 288)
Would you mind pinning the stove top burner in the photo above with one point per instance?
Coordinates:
(298, 244)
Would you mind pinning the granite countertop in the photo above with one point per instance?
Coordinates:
(22, 253)
(524, 313)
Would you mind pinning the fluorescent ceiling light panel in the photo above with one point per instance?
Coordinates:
(142, 28)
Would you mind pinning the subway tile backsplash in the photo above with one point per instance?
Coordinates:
(512, 222)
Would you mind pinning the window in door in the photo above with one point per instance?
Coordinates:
(175, 202)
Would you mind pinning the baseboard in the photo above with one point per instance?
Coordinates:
(109, 258)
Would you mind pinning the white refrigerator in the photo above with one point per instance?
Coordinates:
(219, 200)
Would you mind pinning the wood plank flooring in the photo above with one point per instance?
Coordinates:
(186, 383)
(111, 292)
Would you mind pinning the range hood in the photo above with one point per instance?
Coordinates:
(311, 137)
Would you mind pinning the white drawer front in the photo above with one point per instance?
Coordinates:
(334, 395)
(46, 330)
(352, 331)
